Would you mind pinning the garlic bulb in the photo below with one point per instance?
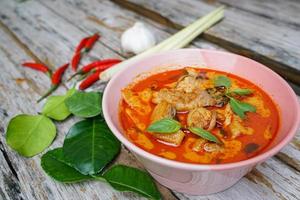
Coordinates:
(137, 38)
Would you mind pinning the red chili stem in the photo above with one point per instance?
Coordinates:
(75, 61)
(90, 80)
(92, 40)
(81, 44)
(52, 89)
(55, 80)
(36, 66)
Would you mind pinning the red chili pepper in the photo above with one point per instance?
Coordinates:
(57, 75)
(92, 40)
(81, 44)
(96, 64)
(75, 61)
(103, 67)
(38, 67)
(90, 80)
(55, 80)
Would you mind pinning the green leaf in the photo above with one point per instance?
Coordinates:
(85, 104)
(55, 166)
(241, 91)
(89, 146)
(56, 108)
(222, 81)
(164, 126)
(30, 134)
(204, 134)
(240, 108)
(124, 178)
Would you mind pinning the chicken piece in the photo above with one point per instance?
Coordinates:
(189, 83)
(184, 101)
(212, 147)
(135, 102)
(228, 115)
(162, 110)
(192, 72)
(145, 95)
(133, 116)
(171, 138)
(237, 128)
(202, 118)
(218, 93)
(165, 110)
(198, 144)
(224, 116)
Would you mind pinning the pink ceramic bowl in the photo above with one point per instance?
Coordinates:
(201, 179)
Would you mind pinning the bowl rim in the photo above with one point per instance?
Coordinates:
(200, 167)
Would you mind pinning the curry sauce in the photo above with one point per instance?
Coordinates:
(192, 97)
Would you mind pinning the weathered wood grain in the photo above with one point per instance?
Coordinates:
(271, 42)
(9, 183)
(10, 73)
(17, 96)
(65, 26)
(286, 11)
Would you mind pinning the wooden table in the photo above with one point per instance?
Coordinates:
(47, 31)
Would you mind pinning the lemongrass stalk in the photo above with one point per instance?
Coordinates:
(178, 40)
(191, 36)
(192, 31)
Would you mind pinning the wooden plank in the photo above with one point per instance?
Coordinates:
(12, 73)
(45, 15)
(9, 183)
(284, 11)
(19, 97)
(262, 183)
(272, 43)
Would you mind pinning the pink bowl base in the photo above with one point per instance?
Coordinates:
(200, 179)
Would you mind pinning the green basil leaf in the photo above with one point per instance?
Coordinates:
(222, 81)
(85, 104)
(241, 91)
(204, 134)
(89, 146)
(56, 108)
(54, 164)
(30, 134)
(164, 126)
(124, 178)
(240, 108)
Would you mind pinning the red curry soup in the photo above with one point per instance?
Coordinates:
(197, 115)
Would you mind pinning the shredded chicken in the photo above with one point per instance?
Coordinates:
(202, 118)
(184, 101)
(162, 110)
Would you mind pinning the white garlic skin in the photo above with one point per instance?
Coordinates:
(137, 39)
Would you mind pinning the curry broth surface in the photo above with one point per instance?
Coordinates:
(260, 127)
